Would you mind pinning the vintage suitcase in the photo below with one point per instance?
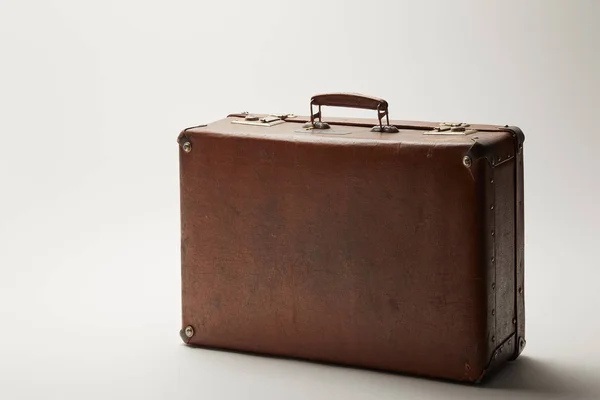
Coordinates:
(395, 246)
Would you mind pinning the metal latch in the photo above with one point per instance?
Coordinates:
(269, 120)
(451, 128)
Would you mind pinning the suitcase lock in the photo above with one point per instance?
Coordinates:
(269, 120)
(451, 128)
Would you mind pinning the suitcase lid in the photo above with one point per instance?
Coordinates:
(483, 140)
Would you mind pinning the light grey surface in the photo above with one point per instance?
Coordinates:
(93, 95)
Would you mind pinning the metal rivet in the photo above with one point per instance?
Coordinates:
(501, 349)
(508, 156)
(189, 331)
(495, 355)
(520, 290)
(467, 161)
(499, 158)
(514, 321)
(493, 286)
(492, 207)
(187, 147)
(522, 342)
(493, 338)
(467, 367)
(493, 312)
(493, 233)
(509, 342)
(492, 181)
(493, 259)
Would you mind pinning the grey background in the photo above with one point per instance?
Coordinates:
(94, 93)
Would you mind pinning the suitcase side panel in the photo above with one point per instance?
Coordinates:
(506, 321)
(497, 206)
(503, 259)
(516, 187)
(520, 257)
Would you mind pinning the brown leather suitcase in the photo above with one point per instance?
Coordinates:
(385, 245)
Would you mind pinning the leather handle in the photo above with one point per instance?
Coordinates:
(350, 100)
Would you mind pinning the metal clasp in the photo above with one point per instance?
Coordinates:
(451, 128)
(269, 120)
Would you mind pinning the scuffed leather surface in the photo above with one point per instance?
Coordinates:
(363, 249)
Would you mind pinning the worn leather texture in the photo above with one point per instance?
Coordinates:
(374, 250)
